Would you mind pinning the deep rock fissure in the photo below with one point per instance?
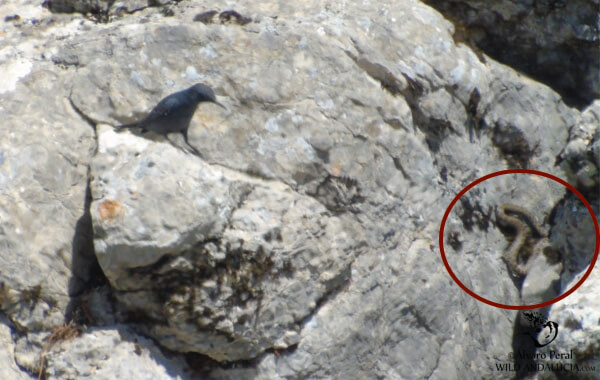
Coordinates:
(519, 39)
(92, 123)
(434, 130)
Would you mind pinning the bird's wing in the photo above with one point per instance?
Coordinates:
(163, 108)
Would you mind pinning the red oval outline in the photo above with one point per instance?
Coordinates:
(519, 171)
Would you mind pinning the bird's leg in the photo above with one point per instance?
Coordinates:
(185, 137)
(194, 150)
(175, 145)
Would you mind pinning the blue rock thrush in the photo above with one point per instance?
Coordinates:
(174, 113)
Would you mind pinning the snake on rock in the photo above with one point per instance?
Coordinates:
(530, 239)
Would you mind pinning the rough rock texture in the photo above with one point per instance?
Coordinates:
(8, 367)
(554, 41)
(581, 155)
(114, 353)
(45, 150)
(577, 317)
(43, 167)
(304, 242)
(216, 262)
(102, 10)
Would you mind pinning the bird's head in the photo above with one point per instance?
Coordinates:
(203, 93)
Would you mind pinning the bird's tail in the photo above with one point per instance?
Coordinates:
(125, 126)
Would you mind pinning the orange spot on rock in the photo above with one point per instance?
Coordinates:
(336, 168)
(110, 210)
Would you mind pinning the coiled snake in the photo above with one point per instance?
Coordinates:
(530, 239)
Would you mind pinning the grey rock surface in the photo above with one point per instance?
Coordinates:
(574, 233)
(45, 149)
(8, 367)
(217, 262)
(304, 242)
(577, 317)
(112, 354)
(581, 155)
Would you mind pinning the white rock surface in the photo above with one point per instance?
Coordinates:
(112, 354)
(8, 367)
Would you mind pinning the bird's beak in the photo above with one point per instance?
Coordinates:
(219, 104)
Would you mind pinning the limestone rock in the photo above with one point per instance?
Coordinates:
(216, 262)
(45, 149)
(577, 317)
(112, 353)
(8, 367)
(581, 154)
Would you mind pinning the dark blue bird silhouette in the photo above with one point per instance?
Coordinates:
(174, 113)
